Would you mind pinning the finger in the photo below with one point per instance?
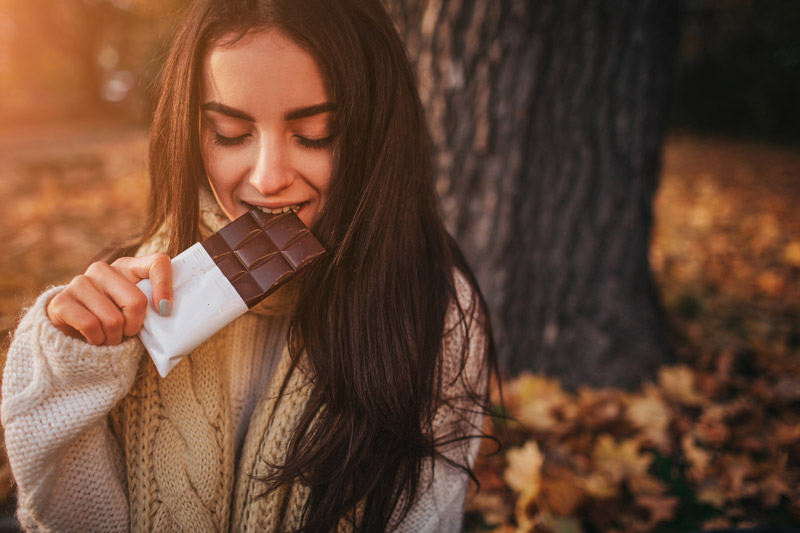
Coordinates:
(73, 319)
(155, 267)
(126, 296)
(101, 306)
(71, 310)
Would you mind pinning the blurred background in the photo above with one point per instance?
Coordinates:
(708, 442)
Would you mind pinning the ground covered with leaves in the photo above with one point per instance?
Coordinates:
(711, 443)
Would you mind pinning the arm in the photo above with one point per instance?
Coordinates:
(57, 392)
(439, 506)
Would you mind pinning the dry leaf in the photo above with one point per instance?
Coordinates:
(599, 409)
(712, 428)
(738, 470)
(524, 470)
(771, 283)
(719, 522)
(620, 461)
(791, 253)
(600, 486)
(787, 389)
(772, 489)
(649, 413)
(659, 510)
(542, 403)
(677, 383)
(711, 494)
(561, 492)
(785, 434)
(699, 459)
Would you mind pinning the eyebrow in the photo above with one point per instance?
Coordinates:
(293, 114)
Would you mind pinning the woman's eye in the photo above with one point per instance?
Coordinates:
(229, 141)
(314, 144)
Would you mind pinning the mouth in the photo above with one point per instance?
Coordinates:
(277, 210)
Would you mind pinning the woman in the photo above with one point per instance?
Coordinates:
(350, 399)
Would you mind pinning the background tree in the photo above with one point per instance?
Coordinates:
(547, 119)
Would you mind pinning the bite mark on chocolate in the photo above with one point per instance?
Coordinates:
(258, 252)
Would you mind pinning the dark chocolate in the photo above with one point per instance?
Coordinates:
(259, 252)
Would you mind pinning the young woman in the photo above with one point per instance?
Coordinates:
(351, 399)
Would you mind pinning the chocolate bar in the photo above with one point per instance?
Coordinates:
(258, 252)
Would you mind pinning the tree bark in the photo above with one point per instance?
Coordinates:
(547, 118)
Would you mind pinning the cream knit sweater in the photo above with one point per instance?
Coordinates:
(98, 442)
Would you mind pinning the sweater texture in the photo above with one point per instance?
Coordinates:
(98, 441)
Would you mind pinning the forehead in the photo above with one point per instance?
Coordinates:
(260, 67)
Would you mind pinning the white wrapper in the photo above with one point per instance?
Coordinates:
(204, 302)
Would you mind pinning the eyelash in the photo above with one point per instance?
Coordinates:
(221, 140)
(314, 144)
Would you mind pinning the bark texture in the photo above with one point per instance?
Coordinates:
(547, 119)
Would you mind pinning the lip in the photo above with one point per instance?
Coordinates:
(274, 205)
(302, 206)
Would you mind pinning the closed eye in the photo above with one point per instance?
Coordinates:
(314, 144)
(229, 141)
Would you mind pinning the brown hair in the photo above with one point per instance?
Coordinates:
(371, 314)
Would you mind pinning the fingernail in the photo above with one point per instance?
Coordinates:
(164, 307)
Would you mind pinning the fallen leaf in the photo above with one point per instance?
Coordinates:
(542, 403)
(787, 389)
(620, 461)
(712, 428)
(600, 486)
(791, 253)
(659, 510)
(772, 489)
(524, 470)
(771, 283)
(599, 409)
(719, 522)
(738, 471)
(649, 413)
(677, 383)
(699, 459)
(712, 494)
(561, 491)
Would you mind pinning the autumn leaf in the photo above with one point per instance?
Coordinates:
(791, 253)
(771, 283)
(524, 470)
(599, 409)
(649, 413)
(541, 402)
(561, 492)
(658, 510)
(773, 488)
(600, 486)
(698, 458)
(738, 472)
(712, 428)
(677, 383)
(620, 460)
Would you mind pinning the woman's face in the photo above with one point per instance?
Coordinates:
(265, 127)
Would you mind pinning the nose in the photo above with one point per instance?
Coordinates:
(271, 172)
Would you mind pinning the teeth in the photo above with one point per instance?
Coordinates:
(279, 210)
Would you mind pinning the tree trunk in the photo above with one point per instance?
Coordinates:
(547, 119)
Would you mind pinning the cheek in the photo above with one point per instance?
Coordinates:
(224, 170)
(319, 174)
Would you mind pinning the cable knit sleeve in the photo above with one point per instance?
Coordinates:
(57, 393)
(439, 506)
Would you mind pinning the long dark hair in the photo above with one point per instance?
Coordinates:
(371, 316)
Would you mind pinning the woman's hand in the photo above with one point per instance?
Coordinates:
(103, 305)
